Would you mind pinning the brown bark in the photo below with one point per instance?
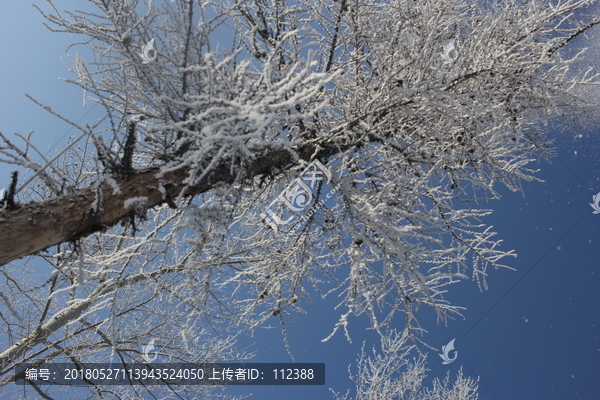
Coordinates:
(37, 226)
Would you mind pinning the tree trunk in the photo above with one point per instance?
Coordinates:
(37, 226)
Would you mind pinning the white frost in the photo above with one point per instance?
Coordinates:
(113, 184)
(134, 201)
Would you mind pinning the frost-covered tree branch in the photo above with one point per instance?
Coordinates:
(390, 374)
(240, 101)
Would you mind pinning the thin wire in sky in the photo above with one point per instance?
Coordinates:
(524, 275)
(482, 381)
(78, 121)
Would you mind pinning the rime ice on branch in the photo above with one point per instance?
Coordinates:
(217, 129)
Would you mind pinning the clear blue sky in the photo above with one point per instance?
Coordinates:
(533, 335)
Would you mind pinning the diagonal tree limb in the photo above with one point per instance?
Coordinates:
(37, 226)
